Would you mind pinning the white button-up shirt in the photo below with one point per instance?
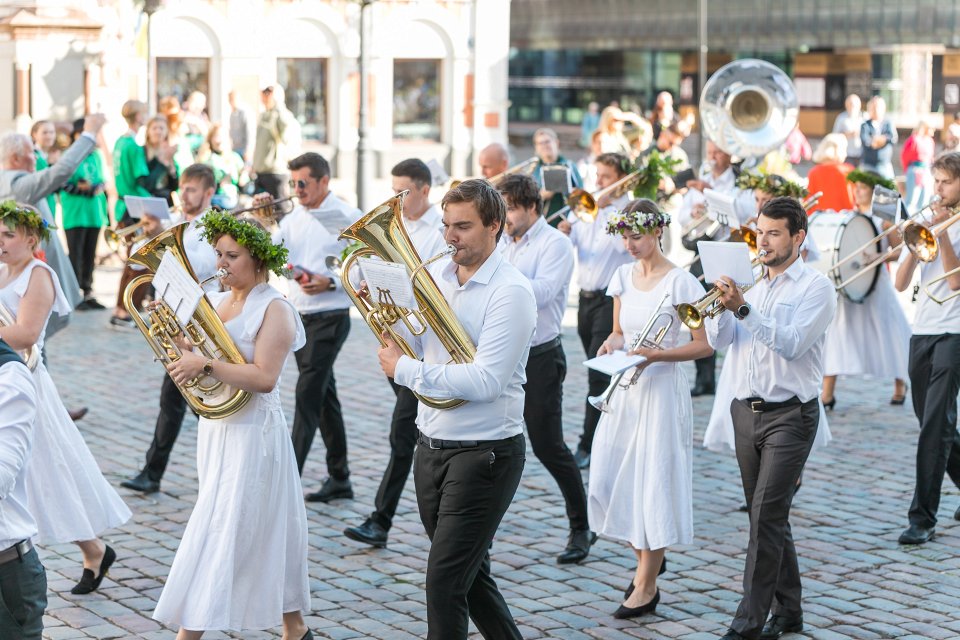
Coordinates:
(18, 413)
(201, 254)
(545, 257)
(426, 233)
(309, 243)
(599, 254)
(776, 352)
(497, 309)
(931, 318)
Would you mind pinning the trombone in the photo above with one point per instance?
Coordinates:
(525, 167)
(709, 306)
(128, 235)
(278, 209)
(941, 278)
(584, 205)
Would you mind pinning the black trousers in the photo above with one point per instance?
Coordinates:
(23, 598)
(273, 183)
(594, 325)
(173, 408)
(403, 441)
(772, 448)
(317, 404)
(82, 247)
(935, 380)
(462, 495)
(543, 413)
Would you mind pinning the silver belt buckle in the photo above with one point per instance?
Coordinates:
(430, 444)
(755, 406)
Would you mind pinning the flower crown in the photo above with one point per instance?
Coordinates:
(870, 179)
(771, 183)
(257, 241)
(636, 221)
(23, 215)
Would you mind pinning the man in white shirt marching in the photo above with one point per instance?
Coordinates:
(325, 311)
(422, 222)
(775, 338)
(599, 255)
(935, 358)
(197, 186)
(545, 256)
(23, 603)
(469, 459)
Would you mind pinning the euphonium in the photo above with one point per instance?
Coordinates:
(30, 356)
(381, 234)
(206, 396)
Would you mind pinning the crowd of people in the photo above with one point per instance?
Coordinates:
(502, 252)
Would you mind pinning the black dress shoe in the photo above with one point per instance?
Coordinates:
(956, 514)
(915, 534)
(732, 635)
(582, 458)
(702, 389)
(93, 304)
(308, 635)
(626, 612)
(629, 590)
(141, 482)
(778, 625)
(578, 547)
(89, 582)
(369, 532)
(332, 489)
(117, 321)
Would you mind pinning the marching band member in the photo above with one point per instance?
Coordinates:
(21, 608)
(546, 145)
(422, 222)
(775, 341)
(493, 159)
(197, 186)
(599, 255)
(66, 492)
(545, 256)
(325, 311)
(935, 358)
(641, 477)
(242, 561)
(469, 459)
(871, 337)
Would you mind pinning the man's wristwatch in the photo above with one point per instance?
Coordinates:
(332, 286)
(208, 367)
(742, 311)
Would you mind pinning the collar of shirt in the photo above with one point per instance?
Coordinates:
(430, 218)
(530, 236)
(483, 275)
(793, 272)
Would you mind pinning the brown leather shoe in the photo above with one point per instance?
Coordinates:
(77, 414)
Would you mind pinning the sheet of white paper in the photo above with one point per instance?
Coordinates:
(720, 208)
(156, 207)
(437, 173)
(388, 282)
(175, 286)
(613, 363)
(731, 259)
(333, 221)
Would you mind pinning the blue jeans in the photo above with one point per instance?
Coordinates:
(23, 598)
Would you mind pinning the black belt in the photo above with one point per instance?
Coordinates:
(16, 552)
(759, 405)
(549, 345)
(324, 314)
(590, 295)
(436, 443)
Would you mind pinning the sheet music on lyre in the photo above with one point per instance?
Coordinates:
(175, 287)
(720, 208)
(388, 282)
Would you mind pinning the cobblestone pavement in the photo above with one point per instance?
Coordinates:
(858, 582)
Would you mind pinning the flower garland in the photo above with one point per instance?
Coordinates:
(636, 221)
(870, 179)
(257, 241)
(771, 183)
(23, 215)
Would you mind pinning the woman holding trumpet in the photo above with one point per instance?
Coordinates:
(641, 476)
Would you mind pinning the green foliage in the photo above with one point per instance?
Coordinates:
(657, 168)
(771, 183)
(24, 216)
(870, 178)
(257, 241)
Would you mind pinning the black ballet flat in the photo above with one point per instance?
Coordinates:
(90, 583)
(626, 612)
(663, 570)
(830, 405)
(898, 400)
(308, 635)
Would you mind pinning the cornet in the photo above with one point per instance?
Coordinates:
(128, 235)
(275, 209)
(709, 306)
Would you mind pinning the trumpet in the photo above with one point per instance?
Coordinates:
(709, 306)
(127, 236)
(941, 278)
(642, 339)
(525, 167)
(584, 205)
(277, 209)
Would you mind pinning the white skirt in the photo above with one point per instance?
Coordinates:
(66, 492)
(641, 467)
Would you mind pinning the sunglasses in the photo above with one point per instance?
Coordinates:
(297, 184)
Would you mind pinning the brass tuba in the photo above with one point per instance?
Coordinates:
(382, 234)
(206, 395)
(30, 356)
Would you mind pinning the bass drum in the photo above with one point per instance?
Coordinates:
(837, 235)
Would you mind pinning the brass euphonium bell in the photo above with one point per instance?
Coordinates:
(206, 395)
(382, 234)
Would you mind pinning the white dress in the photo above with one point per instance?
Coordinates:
(871, 338)
(66, 492)
(641, 470)
(242, 562)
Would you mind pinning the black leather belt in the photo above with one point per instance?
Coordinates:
(436, 443)
(759, 405)
(590, 295)
(16, 552)
(549, 345)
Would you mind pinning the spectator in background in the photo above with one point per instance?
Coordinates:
(663, 114)
(848, 124)
(798, 147)
(162, 181)
(879, 137)
(44, 136)
(240, 127)
(169, 107)
(129, 161)
(610, 131)
(829, 176)
(227, 165)
(916, 158)
(195, 120)
(270, 155)
(493, 159)
(591, 119)
(951, 138)
(546, 144)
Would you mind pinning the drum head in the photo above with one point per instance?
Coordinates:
(856, 231)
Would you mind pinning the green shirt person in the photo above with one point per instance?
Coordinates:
(129, 160)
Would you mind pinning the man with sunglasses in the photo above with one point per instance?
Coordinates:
(310, 233)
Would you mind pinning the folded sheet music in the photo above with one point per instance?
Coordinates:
(613, 363)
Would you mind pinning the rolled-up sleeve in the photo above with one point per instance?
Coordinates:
(793, 338)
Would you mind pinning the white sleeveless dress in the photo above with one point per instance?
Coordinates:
(66, 492)
(242, 562)
(641, 469)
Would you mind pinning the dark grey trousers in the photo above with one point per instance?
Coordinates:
(23, 598)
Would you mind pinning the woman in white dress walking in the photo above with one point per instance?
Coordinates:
(641, 473)
(242, 562)
(66, 492)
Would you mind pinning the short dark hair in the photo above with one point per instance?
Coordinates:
(318, 165)
(415, 169)
(200, 172)
(617, 161)
(948, 162)
(487, 200)
(786, 208)
(521, 191)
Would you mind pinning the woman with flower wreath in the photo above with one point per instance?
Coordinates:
(66, 492)
(242, 562)
(641, 474)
